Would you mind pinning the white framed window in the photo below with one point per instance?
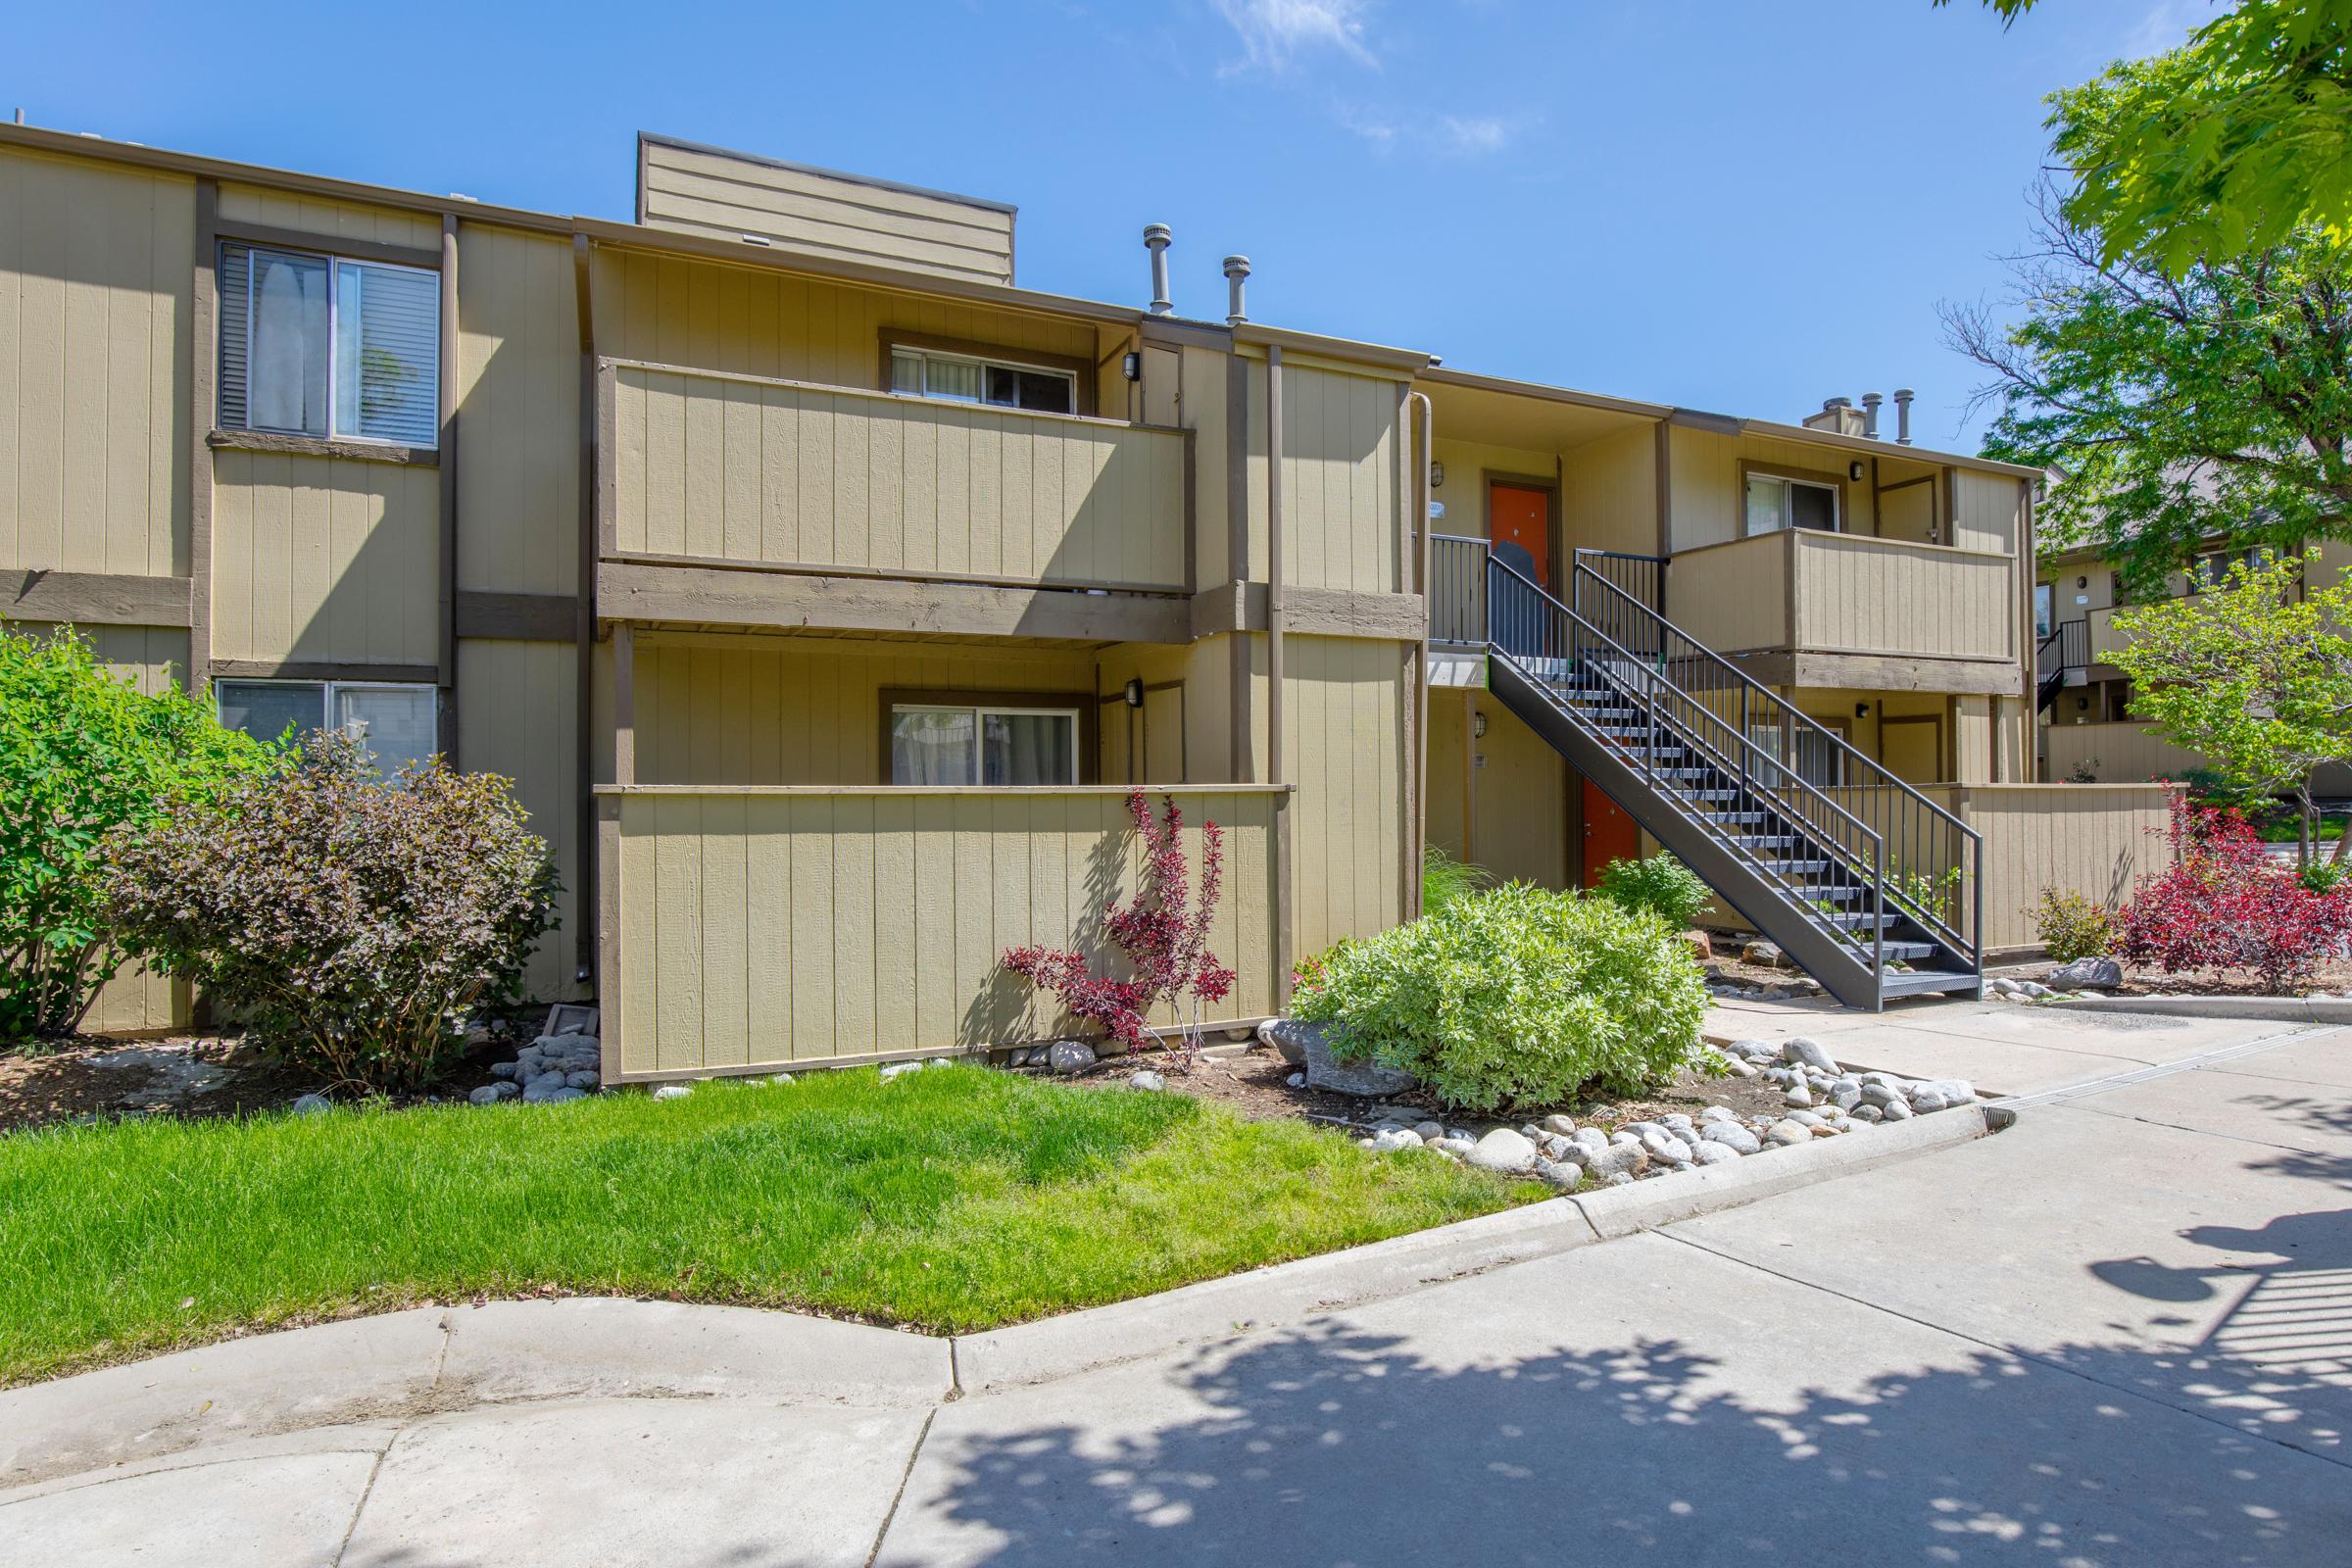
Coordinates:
(327, 347)
(1774, 503)
(1001, 747)
(966, 378)
(2045, 608)
(398, 722)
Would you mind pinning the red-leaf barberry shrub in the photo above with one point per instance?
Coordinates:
(349, 918)
(1163, 934)
(2223, 904)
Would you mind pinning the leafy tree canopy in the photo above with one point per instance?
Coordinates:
(2255, 672)
(2239, 140)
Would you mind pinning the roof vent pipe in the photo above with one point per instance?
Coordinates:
(1902, 416)
(1158, 237)
(1833, 405)
(1870, 414)
(1237, 272)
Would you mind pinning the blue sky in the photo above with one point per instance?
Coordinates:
(1744, 206)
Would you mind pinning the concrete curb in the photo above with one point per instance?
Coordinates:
(403, 1364)
(2257, 1010)
(1056, 1348)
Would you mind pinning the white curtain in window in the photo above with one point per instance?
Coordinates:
(951, 378)
(394, 722)
(286, 378)
(1767, 505)
(1019, 750)
(931, 746)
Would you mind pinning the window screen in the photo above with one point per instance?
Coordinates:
(310, 345)
(267, 709)
(394, 722)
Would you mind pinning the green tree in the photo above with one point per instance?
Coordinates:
(2172, 410)
(2254, 673)
(82, 751)
(2239, 140)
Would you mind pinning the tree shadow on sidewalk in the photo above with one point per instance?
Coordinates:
(1337, 1445)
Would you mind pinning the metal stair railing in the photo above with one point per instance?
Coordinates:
(1641, 576)
(1457, 591)
(1547, 643)
(1925, 843)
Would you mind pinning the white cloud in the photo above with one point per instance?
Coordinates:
(1481, 133)
(1273, 30)
(2166, 26)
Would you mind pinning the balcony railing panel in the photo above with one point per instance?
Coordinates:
(709, 467)
(1805, 589)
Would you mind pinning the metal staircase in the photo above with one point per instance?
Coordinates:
(1856, 875)
(2060, 659)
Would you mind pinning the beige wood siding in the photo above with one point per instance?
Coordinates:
(1203, 407)
(748, 469)
(519, 391)
(1343, 733)
(777, 929)
(325, 558)
(516, 716)
(1183, 732)
(1341, 507)
(137, 1000)
(1732, 597)
(329, 218)
(723, 195)
(1708, 495)
(2093, 839)
(724, 710)
(96, 269)
(675, 309)
(1515, 786)
(1856, 593)
(2118, 754)
(1610, 494)
(1987, 512)
(1850, 594)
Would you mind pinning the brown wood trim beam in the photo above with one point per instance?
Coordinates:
(1311, 613)
(204, 407)
(321, 669)
(809, 569)
(314, 446)
(95, 598)
(446, 395)
(516, 618)
(357, 250)
(591, 953)
(751, 600)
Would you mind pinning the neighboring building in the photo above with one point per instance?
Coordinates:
(823, 589)
(2088, 730)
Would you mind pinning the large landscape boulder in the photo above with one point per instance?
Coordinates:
(2088, 974)
(1327, 1071)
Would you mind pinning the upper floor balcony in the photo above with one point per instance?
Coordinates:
(713, 470)
(1818, 601)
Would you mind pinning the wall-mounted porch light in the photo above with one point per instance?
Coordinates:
(1132, 365)
(1132, 692)
(1853, 471)
(1861, 710)
(1437, 475)
(1478, 726)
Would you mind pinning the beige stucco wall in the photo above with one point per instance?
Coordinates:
(96, 276)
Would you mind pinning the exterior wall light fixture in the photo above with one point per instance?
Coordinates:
(1132, 692)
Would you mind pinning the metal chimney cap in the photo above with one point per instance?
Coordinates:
(1827, 404)
(1903, 394)
(1237, 266)
(1871, 400)
(1158, 235)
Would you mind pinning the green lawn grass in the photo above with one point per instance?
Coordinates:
(950, 1200)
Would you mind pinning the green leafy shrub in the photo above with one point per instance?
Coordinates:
(2073, 926)
(1445, 879)
(1660, 884)
(350, 919)
(1515, 995)
(84, 752)
(2324, 876)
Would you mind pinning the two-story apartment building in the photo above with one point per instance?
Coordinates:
(823, 589)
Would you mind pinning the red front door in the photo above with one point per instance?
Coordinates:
(1519, 529)
(1609, 834)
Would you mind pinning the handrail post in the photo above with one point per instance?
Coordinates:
(1877, 929)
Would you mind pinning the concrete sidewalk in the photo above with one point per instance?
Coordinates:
(2119, 1333)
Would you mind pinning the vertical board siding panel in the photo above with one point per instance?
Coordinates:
(740, 504)
(677, 894)
(725, 930)
(865, 952)
(767, 929)
(704, 480)
(640, 932)
(853, 503)
(898, 947)
(974, 954)
(812, 479)
(815, 893)
(936, 1005)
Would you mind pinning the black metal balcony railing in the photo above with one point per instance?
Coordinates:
(1457, 591)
